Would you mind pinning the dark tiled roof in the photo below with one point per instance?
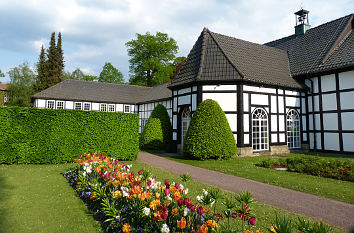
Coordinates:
(94, 91)
(308, 52)
(222, 58)
(157, 93)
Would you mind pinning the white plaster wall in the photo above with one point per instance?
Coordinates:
(69, 105)
(315, 85)
(245, 102)
(119, 107)
(281, 123)
(174, 136)
(346, 80)
(274, 120)
(309, 100)
(174, 92)
(282, 137)
(292, 101)
(292, 93)
(194, 88)
(329, 102)
(246, 138)
(185, 90)
(304, 127)
(186, 99)
(273, 100)
(219, 88)
(40, 103)
(281, 104)
(308, 83)
(347, 100)
(259, 99)
(246, 127)
(304, 136)
(259, 89)
(303, 105)
(235, 137)
(175, 104)
(317, 119)
(348, 139)
(348, 120)
(232, 119)
(227, 101)
(330, 121)
(316, 103)
(194, 102)
(310, 121)
(95, 106)
(318, 141)
(311, 141)
(174, 122)
(331, 141)
(328, 83)
(274, 137)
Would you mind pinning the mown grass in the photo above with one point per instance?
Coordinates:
(37, 198)
(265, 213)
(246, 167)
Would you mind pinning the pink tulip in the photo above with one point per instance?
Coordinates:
(167, 192)
(200, 210)
(148, 182)
(141, 171)
(164, 215)
(177, 185)
(234, 215)
(192, 208)
(167, 182)
(186, 201)
(179, 202)
(252, 221)
(115, 169)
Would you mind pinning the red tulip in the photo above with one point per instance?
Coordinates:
(186, 201)
(252, 221)
(167, 192)
(200, 210)
(148, 182)
(179, 202)
(177, 185)
(164, 215)
(141, 171)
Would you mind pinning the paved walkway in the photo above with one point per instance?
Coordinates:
(331, 211)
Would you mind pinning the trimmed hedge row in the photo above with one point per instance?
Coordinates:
(30, 135)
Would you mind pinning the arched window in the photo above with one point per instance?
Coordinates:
(260, 130)
(293, 129)
(186, 117)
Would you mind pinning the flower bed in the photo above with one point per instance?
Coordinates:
(125, 201)
(329, 168)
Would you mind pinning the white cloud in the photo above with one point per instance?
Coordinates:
(95, 31)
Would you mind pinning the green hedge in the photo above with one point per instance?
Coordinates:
(30, 135)
(209, 134)
(157, 133)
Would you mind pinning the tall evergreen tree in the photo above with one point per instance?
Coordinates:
(42, 72)
(54, 74)
(60, 57)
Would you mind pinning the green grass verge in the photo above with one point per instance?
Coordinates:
(245, 167)
(265, 213)
(37, 198)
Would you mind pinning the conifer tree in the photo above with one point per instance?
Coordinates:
(42, 74)
(60, 57)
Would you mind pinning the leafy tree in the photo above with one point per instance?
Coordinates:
(110, 74)
(77, 74)
(20, 88)
(91, 78)
(152, 56)
(2, 74)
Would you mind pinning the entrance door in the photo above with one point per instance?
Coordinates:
(186, 117)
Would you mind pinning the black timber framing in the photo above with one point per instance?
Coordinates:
(321, 112)
(339, 114)
(240, 131)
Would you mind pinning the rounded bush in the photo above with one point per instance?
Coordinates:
(157, 133)
(209, 134)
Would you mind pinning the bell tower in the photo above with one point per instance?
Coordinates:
(302, 22)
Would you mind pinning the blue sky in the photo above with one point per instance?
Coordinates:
(95, 31)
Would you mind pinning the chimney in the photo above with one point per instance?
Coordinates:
(302, 22)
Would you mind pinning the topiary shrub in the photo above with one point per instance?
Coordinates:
(209, 134)
(157, 133)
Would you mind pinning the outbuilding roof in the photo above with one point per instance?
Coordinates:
(77, 90)
(325, 47)
(216, 57)
(3, 86)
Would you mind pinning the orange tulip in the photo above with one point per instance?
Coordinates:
(182, 224)
(203, 229)
(126, 228)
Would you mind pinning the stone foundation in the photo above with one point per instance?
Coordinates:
(245, 151)
(278, 150)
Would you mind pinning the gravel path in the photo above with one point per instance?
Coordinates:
(331, 211)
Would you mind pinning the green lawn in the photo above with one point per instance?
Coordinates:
(245, 167)
(37, 198)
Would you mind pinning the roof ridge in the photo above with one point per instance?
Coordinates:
(105, 83)
(226, 56)
(327, 45)
(202, 53)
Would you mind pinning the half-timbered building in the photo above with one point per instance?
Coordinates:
(295, 93)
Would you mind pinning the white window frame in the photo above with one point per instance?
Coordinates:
(59, 102)
(103, 107)
(78, 104)
(260, 130)
(6, 98)
(293, 131)
(50, 102)
(125, 110)
(89, 107)
(111, 108)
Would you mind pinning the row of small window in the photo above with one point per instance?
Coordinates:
(87, 106)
